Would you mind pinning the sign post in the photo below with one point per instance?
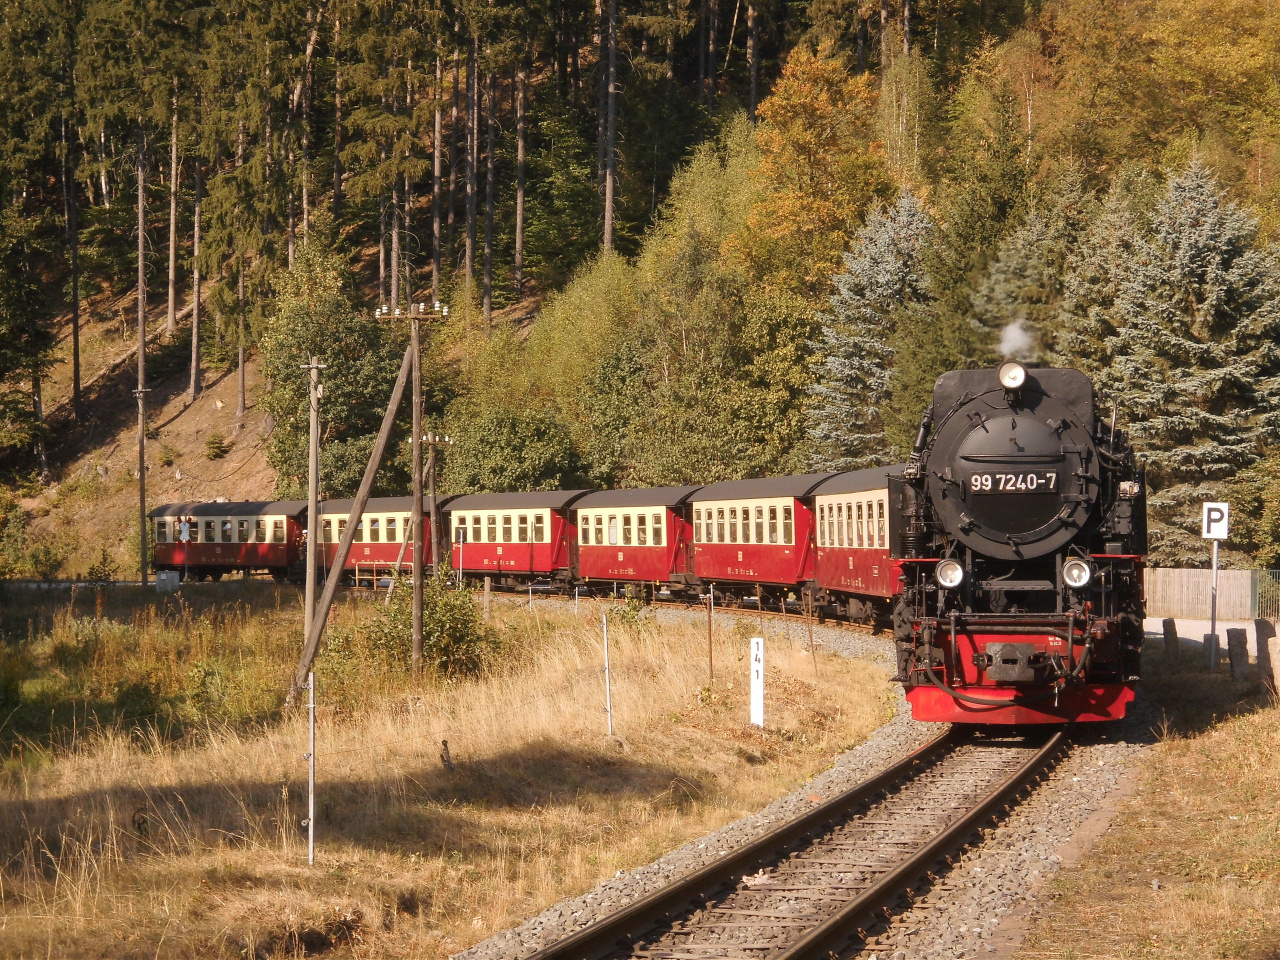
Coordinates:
(757, 681)
(1215, 525)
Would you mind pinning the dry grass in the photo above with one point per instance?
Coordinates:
(131, 845)
(1205, 826)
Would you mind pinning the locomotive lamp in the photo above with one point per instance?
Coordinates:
(1077, 573)
(949, 574)
(1012, 375)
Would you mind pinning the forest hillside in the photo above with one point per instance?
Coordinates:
(678, 242)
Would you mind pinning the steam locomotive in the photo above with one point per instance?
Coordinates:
(1007, 553)
(1021, 548)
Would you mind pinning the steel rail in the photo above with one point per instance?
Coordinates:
(612, 933)
(843, 925)
(601, 937)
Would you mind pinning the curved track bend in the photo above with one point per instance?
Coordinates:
(810, 886)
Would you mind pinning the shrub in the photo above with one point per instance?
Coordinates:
(104, 569)
(167, 455)
(216, 446)
(455, 640)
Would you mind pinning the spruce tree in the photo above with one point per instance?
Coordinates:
(1194, 361)
(882, 275)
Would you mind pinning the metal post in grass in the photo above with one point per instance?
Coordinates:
(608, 696)
(311, 769)
(711, 609)
(488, 586)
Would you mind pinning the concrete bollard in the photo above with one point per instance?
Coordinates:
(488, 586)
(1238, 653)
(1264, 631)
(1272, 677)
(1211, 652)
(1172, 648)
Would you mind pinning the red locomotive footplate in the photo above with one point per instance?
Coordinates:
(1083, 704)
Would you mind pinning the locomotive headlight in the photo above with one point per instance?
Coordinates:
(949, 573)
(1012, 375)
(1077, 573)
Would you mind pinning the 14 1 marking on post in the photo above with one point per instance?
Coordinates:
(757, 681)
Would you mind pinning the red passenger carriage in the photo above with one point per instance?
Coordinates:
(636, 536)
(514, 537)
(384, 540)
(755, 532)
(855, 531)
(223, 537)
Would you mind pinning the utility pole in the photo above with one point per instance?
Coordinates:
(416, 517)
(313, 490)
(434, 439)
(141, 392)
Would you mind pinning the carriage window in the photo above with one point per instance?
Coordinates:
(391, 530)
(848, 522)
(326, 531)
(719, 524)
(840, 524)
(697, 526)
(599, 530)
(226, 532)
(277, 531)
(642, 530)
(821, 525)
(746, 524)
(359, 532)
(584, 531)
(657, 529)
(375, 530)
(475, 528)
(626, 529)
(871, 524)
(210, 531)
(342, 528)
(523, 527)
(860, 525)
(880, 522)
(162, 531)
(787, 530)
(539, 528)
(759, 524)
(242, 531)
(773, 524)
(491, 528)
(613, 531)
(733, 524)
(259, 531)
(506, 528)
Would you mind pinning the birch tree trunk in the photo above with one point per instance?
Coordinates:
(395, 245)
(436, 143)
(520, 176)
(454, 151)
(884, 42)
(611, 155)
(753, 57)
(602, 94)
(241, 405)
(469, 261)
(906, 26)
(142, 353)
(193, 389)
(490, 109)
(337, 124)
(171, 318)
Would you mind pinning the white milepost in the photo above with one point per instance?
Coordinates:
(1215, 525)
(757, 681)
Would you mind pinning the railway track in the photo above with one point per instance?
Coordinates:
(810, 887)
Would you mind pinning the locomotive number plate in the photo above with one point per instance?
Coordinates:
(1035, 482)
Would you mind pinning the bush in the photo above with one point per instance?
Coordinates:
(104, 569)
(167, 455)
(455, 641)
(216, 447)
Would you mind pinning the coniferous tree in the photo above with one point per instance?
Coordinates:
(882, 275)
(1194, 359)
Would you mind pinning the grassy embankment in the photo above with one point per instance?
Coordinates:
(176, 833)
(1190, 867)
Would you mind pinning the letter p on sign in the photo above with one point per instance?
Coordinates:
(1215, 521)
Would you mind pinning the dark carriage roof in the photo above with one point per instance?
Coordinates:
(640, 497)
(764, 487)
(379, 505)
(856, 481)
(232, 508)
(533, 500)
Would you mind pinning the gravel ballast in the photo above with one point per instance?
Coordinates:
(959, 915)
